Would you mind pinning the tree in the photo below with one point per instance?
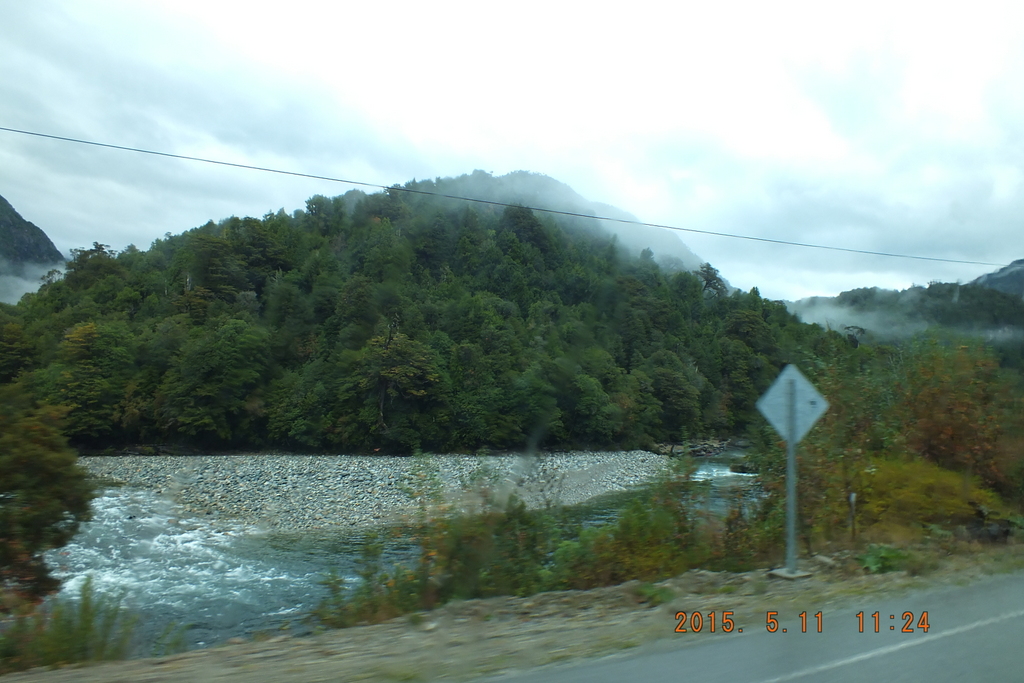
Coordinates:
(44, 495)
(952, 396)
(16, 353)
(677, 386)
(211, 263)
(714, 286)
(88, 377)
(210, 390)
(591, 417)
(298, 404)
(88, 267)
(394, 393)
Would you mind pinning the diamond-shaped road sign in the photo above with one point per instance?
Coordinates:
(791, 391)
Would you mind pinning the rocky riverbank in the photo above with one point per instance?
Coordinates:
(295, 492)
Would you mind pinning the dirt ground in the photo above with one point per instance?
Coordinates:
(476, 638)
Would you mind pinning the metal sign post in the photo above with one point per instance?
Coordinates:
(792, 405)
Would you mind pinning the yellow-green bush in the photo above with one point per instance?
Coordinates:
(909, 493)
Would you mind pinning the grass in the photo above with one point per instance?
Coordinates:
(653, 595)
(171, 641)
(627, 644)
(90, 629)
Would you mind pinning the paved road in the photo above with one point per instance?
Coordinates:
(976, 634)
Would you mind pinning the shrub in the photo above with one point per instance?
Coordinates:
(918, 563)
(908, 493)
(653, 537)
(940, 401)
(92, 628)
(882, 558)
(952, 399)
(516, 551)
(380, 594)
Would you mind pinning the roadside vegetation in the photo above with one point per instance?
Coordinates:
(926, 434)
(91, 628)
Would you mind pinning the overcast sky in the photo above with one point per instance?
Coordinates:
(887, 127)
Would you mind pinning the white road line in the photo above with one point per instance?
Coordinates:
(893, 648)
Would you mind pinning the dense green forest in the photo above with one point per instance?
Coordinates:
(394, 321)
(404, 320)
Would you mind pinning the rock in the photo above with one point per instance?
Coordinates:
(992, 531)
(988, 527)
(825, 561)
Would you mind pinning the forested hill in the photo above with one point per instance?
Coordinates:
(395, 321)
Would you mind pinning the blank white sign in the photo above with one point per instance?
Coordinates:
(808, 405)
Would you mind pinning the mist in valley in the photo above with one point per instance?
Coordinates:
(873, 314)
(18, 280)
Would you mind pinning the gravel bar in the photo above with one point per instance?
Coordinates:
(299, 492)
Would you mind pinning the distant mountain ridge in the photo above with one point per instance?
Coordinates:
(1009, 279)
(976, 310)
(22, 242)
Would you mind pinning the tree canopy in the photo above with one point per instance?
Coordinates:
(397, 321)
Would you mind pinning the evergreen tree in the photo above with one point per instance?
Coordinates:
(44, 495)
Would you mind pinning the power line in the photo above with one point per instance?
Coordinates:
(494, 203)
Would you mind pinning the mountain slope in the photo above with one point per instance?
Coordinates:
(22, 242)
(1009, 279)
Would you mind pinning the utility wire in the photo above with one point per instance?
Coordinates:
(494, 203)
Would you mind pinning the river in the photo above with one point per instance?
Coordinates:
(223, 579)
